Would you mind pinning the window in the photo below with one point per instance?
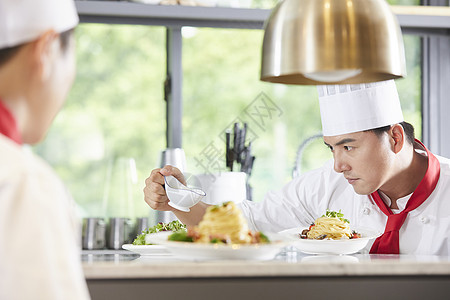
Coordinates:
(115, 110)
(221, 84)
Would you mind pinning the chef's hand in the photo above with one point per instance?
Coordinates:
(154, 192)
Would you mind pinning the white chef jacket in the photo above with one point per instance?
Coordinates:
(426, 230)
(39, 254)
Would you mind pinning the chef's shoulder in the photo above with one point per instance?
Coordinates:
(20, 164)
(314, 191)
(444, 179)
(12, 160)
(445, 165)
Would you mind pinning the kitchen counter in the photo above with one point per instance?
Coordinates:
(123, 275)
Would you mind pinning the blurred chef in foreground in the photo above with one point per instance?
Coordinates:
(39, 254)
(381, 177)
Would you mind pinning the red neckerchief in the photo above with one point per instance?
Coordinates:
(8, 125)
(388, 242)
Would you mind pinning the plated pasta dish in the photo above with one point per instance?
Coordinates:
(221, 224)
(331, 225)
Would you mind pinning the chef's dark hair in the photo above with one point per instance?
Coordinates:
(407, 127)
(7, 53)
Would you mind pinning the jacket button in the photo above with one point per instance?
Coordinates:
(366, 211)
(424, 220)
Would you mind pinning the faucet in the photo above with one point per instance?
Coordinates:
(298, 159)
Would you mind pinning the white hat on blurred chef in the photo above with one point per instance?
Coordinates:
(23, 21)
(357, 107)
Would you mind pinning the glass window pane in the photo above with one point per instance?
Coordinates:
(221, 85)
(410, 87)
(115, 110)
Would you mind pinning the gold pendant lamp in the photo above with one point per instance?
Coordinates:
(314, 42)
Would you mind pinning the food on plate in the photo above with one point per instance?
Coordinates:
(332, 226)
(172, 226)
(221, 224)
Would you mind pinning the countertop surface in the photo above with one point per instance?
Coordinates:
(122, 264)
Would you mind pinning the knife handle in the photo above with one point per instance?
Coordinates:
(228, 161)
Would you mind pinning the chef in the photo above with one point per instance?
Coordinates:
(380, 177)
(39, 234)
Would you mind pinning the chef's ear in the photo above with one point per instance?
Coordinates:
(397, 137)
(43, 53)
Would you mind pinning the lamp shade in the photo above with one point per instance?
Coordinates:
(314, 42)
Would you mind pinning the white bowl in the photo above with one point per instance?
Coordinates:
(330, 246)
(182, 197)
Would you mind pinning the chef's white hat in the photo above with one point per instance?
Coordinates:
(358, 107)
(23, 21)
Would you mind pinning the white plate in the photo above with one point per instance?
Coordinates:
(147, 249)
(198, 251)
(329, 246)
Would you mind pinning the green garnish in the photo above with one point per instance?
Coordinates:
(216, 241)
(217, 206)
(334, 214)
(263, 238)
(173, 226)
(180, 236)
